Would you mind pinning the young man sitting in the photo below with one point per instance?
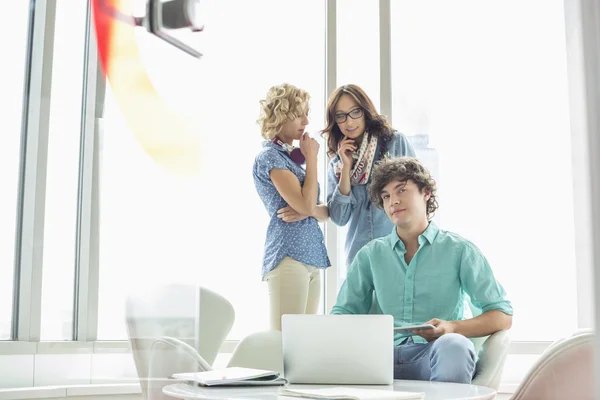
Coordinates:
(421, 274)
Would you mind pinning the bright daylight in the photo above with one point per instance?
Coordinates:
(324, 199)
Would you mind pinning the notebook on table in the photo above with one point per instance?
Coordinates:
(234, 376)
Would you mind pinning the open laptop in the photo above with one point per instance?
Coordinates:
(338, 349)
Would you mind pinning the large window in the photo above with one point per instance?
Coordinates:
(482, 96)
(489, 94)
(207, 230)
(358, 45)
(357, 63)
(11, 82)
(62, 175)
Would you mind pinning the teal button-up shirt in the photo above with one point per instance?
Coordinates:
(443, 272)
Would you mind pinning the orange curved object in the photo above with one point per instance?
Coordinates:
(166, 135)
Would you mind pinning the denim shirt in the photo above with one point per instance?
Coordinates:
(302, 240)
(367, 222)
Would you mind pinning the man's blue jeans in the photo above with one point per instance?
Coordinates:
(450, 358)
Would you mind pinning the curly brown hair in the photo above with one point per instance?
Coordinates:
(375, 123)
(403, 169)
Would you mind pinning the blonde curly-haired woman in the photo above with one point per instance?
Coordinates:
(294, 247)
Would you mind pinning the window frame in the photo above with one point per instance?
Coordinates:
(32, 182)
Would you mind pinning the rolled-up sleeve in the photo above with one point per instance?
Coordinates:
(340, 206)
(356, 293)
(402, 146)
(478, 281)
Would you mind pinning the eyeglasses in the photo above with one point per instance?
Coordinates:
(354, 114)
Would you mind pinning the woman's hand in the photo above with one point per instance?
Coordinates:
(345, 149)
(309, 147)
(288, 214)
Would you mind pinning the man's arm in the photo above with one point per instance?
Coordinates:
(356, 293)
(483, 325)
(478, 281)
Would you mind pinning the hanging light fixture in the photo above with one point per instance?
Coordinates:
(163, 16)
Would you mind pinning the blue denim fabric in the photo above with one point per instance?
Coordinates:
(451, 358)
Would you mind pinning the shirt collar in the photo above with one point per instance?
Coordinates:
(270, 144)
(428, 235)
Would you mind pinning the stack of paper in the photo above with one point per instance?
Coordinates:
(234, 376)
(345, 393)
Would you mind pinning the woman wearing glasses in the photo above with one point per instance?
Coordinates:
(357, 138)
(294, 247)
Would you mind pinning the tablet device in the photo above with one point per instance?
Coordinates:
(410, 328)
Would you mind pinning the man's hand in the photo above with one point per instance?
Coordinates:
(441, 328)
(288, 214)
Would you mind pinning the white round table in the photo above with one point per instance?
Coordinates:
(432, 390)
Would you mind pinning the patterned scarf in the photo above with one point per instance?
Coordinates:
(361, 168)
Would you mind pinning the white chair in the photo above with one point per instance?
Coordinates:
(564, 371)
(491, 352)
(261, 350)
(180, 328)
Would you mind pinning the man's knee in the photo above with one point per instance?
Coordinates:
(453, 359)
(455, 344)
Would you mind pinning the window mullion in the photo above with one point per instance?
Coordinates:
(86, 264)
(30, 227)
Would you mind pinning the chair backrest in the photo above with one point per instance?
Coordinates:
(190, 313)
(260, 350)
(564, 371)
(475, 312)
